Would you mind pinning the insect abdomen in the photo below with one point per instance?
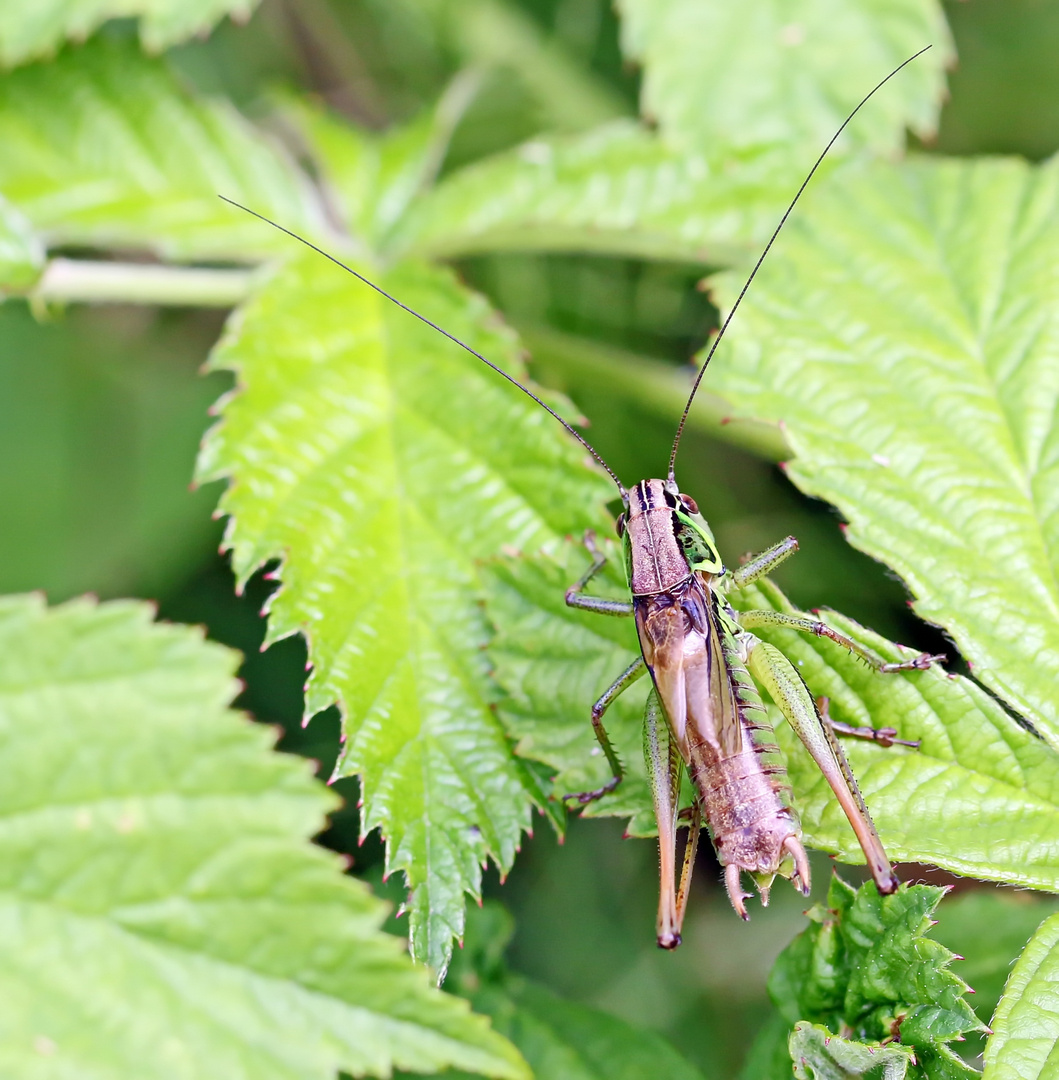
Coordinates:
(746, 797)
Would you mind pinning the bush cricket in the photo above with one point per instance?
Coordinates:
(704, 711)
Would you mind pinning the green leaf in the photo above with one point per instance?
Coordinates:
(163, 913)
(906, 331)
(865, 967)
(379, 462)
(28, 31)
(615, 190)
(104, 147)
(1026, 1025)
(1011, 919)
(552, 662)
(21, 252)
(375, 177)
(980, 796)
(720, 75)
(819, 1055)
(560, 1039)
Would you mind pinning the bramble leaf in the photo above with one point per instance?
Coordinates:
(865, 967)
(980, 796)
(163, 913)
(561, 1040)
(378, 462)
(906, 332)
(21, 252)
(104, 147)
(375, 177)
(720, 75)
(820, 1055)
(1026, 1025)
(617, 190)
(28, 31)
(1012, 919)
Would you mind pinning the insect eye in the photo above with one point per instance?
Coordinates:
(619, 525)
(689, 504)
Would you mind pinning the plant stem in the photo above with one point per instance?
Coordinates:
(656, 385)
(85, 281)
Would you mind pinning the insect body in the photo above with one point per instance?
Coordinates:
(701, 654)
(705, 712)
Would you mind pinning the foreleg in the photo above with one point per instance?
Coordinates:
(576, 596)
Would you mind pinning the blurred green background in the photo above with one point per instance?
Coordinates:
(101, 411)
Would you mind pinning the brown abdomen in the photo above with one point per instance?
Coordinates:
(746, 796)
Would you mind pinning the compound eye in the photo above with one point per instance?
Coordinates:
(689, 504)
(619, 525)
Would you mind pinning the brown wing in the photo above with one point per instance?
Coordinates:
(681, 643)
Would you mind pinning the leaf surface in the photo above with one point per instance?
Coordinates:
(378, 462)
(820, 1055)
(163, 914)
(561, 1039)
(865, 967)
(1026, 1025)
(719, 75)
(376, 176)
(617, 189)
(906, 332)
(21, 252)
(103, 147)
(28, 31)
(980, 796)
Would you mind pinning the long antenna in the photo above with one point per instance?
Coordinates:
(768, 246)
(441, 330)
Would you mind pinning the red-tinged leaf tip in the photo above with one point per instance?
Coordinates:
(193, 485)
(970, 990)
(827, 1041)
(782, 466)
(957, 956)
(989, 1031)
(308, 665)
(347, 861)
(725, 420)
